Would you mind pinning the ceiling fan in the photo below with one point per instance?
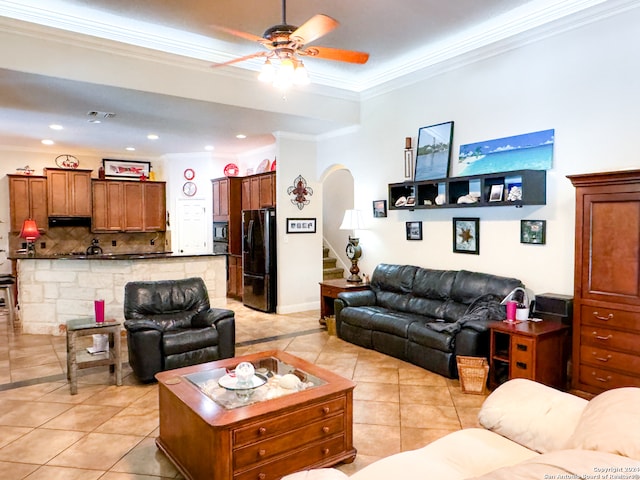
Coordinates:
(287, 43)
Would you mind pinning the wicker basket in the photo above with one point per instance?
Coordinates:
(473, 373)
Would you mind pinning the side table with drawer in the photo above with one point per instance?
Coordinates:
(532, 350)
(329, 290)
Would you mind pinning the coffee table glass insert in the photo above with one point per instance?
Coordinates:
(273, 379)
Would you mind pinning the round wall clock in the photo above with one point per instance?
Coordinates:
(189, 189)
(189, 174)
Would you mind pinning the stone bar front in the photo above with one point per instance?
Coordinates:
(52, 291)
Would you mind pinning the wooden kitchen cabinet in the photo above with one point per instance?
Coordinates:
(68, 192)
(27, 199)
(220, 199)
(122, 206)
(606, 314)
(234, 280)
(154, 218)
(108, 206)
(258, 191)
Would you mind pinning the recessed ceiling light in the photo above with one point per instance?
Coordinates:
(153, 136)
(55, 126)
(130, 149)
(47, 142)
(209, 148)
(241, 136)
(93, 120)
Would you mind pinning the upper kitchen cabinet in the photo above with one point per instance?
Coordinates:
(68, 192)
(123, 206)
(220, 199)
(28, 199)
(258, 191)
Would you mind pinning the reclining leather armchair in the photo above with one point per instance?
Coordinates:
(170, 324)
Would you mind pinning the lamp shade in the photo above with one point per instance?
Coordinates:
(29, 230)
(352, 220)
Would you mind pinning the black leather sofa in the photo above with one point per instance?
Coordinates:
(170, 324)
(424, 316)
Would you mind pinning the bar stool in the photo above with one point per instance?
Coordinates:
(7, 286)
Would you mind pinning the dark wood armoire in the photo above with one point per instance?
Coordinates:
(606, 326)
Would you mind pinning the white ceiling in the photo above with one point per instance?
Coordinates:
(401, 37)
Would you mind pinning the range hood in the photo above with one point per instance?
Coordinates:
(69, 222)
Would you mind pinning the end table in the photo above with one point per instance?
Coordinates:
(77, 359)
(329, 290)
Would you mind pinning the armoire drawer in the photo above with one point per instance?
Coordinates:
(609, 317)
(609, 339)
(602, 358)
(606, 379)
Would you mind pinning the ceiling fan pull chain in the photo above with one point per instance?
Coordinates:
(284, 12)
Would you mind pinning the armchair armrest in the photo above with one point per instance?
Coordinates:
(208, 318)
(137, 325)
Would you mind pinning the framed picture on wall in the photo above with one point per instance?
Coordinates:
(414, 230)
(433, 154)
(466, 235)
(125, 168)
(301, 225)
(533, 231)
(379, 208)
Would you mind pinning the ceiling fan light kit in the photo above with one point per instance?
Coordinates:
(286, 43)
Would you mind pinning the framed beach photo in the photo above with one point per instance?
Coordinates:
(433, 154)
(125, 168)
(466, 235)
(414, 230)
(379, 208)
(533, 231)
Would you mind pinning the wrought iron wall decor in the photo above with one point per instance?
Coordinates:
(300, 191)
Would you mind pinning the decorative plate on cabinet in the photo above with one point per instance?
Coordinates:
(263, 166)
(67, 161)
(231, 170)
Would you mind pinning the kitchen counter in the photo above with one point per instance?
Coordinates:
(107, 256)
(55, 289)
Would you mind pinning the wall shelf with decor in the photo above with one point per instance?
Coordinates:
(514, 188)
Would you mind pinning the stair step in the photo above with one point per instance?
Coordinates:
(331, 273)
(329, 262)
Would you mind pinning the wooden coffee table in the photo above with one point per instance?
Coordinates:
(264, 440)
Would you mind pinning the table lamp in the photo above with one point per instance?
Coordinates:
(30, 233)
(353, 221)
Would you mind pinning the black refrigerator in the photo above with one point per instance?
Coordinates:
(259, 259)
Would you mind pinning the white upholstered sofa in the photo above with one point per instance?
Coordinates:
(531, 431)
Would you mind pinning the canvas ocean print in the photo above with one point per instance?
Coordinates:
(531, 151)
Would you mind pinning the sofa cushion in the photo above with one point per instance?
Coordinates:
(551, 417)
(434, 284)
(459, 455)
(420, 333)
(394, 323)
(470, 285)
(567, 464)
(185, 340)
(361, 316)
(611, 423)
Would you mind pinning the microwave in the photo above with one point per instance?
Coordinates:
(220, 232)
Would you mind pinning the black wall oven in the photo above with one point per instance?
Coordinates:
(220, 237)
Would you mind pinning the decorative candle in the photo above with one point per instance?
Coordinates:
(407, 142)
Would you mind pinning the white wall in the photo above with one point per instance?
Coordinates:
(582, 83)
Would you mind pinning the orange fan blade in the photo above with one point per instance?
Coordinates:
(237, 33)
(314, 28)
(327, 53)
(241, 59)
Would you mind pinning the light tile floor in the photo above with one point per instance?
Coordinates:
(107, 432)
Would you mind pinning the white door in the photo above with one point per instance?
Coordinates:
(192, 227)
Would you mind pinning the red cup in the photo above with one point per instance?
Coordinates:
(98, 306)
(511, 311)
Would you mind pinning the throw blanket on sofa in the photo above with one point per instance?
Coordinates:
(486, 307)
